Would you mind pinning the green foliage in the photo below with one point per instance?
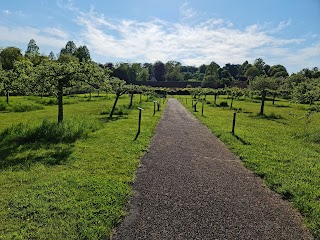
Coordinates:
(8, 56)
(209, 81)
(252, 72)
(159, 71)
(32, 49)
(307, 91)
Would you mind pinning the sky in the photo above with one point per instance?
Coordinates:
(192, 32)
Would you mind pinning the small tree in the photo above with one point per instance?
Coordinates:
(235, 92)
(132, 89)
(195, 92)
(59, 75)
(119, 87)
(263, 84)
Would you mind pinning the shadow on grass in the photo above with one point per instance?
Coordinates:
(19, 154)
(272, 117)
(113, 118)
(242, 140)
(50, 143)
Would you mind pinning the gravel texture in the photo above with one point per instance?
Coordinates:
(190, 186)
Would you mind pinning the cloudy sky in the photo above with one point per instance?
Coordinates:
(192, 32)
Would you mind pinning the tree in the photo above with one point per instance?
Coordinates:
(159, 71)
(32, 49)
(4, 80)
(121, 71)
(278, 71)
(70, 48)
(202, 68)
(259, 64)
(210, 81)
(143, 75)
(51, 56)
(233, 69)
(82, 53)
(66, 58)
(132, 89)
(235, 92)
(119, 87)
(92, 75)
(8, 56)
(23, 74)
(252, 72)
(212, 70)
(307, 91)
(174, 75)
(263, 84)
(60, 75)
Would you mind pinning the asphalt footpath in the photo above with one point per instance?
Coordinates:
(190, 186)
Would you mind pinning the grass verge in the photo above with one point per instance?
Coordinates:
(282, 147)
(83, 196)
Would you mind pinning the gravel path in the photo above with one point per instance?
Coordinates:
(190, 186)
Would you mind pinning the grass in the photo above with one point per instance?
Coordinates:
(69, 181)
(282, 147)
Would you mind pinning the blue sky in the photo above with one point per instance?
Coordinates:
(192, 32)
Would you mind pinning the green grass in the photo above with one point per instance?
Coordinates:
(282, 147)
(69, 181)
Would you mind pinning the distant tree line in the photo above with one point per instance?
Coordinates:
(72, 70)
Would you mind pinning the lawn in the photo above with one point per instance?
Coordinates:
(282, 147)
(68, 181)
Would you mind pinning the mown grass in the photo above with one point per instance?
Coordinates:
(69, 181)
(282, 147)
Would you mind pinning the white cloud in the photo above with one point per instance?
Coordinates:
(6, 12)
(187, 11)
(210, 40)
(23, 35)
(67, 4)
(281, 26)
(55, 32)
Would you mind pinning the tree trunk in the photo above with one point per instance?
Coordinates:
(215, 99)
(274, 98)
(60, 103)
(231, 103)
(263, 98)
(7, 96)
(90, 96)
(131, 100)
(114, 106)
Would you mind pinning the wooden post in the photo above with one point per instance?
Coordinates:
(234, 122)
(154, 107)
(195, 106)
(139, 123)
(202, 109)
